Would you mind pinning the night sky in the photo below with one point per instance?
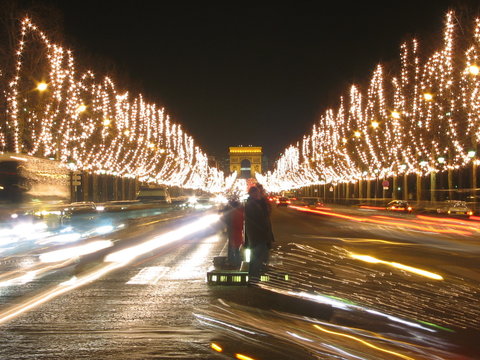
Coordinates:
(250, 73)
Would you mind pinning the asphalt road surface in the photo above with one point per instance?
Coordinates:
(342, 284)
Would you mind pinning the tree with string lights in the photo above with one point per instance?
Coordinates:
(423, 120)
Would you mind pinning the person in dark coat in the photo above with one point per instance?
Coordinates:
(234, 221)
(258, 231)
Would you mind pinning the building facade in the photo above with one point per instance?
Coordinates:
(246, 161)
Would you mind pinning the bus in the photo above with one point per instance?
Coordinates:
(30, 179)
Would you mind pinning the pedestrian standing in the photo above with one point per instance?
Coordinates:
(267, 207)
(234, 221)
(258, 231)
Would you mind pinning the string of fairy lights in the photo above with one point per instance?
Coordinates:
(425, 119)
(81, 120)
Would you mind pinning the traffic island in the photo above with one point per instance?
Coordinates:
(223, 273)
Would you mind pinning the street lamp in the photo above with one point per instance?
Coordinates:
(357, 134)
(375, 124)
(471, 154)
(428, 96)
(474, 69)
(42, 86)
(395, 114)
(441, 159)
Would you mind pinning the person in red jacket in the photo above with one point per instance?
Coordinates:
(234, 220)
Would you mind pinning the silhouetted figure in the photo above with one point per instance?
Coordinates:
(258, 232)
(233, 218)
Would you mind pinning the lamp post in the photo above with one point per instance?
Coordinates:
(471, 154)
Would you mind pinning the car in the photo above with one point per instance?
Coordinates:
(117, 205)
(283, 201)
(312, 202)
(399, 205)
(154, 194)
(81, 207)
(455, 207)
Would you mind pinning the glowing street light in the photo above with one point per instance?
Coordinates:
(395, 114)
(357, 134)
(42, 86)
(474, 69)
(375, 124)
(428, 96)
(81, 108)
(107, 122)
(441, 159)
(471, 154)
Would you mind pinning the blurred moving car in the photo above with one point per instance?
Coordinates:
(283, 201)
(117, 205)
(313, 202)
(81, 207)
(399, 205)
(455, 207)
(29, 179)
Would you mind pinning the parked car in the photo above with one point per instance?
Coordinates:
(399, 205)
(283, 201)
(154, 194)
(455, 207)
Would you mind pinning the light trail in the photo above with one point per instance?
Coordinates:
(347, 305)
(456, 226)
(117, 260)
(55, 292)
(63, 257)
(373, 260)
(380, 222)
(128, 254)
(447, 220)
(75, 251)
(216, 347)
(30, 275)
(364, 342)
(243, 357)
(372, 207)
